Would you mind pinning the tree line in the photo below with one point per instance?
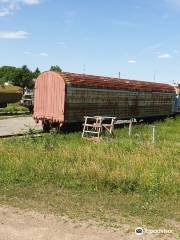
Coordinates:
(23, 76)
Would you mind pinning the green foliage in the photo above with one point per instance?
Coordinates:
(8, 73)
(14, 107)
(22, 77)
(124, 165)
(56, 68)
(36, 73)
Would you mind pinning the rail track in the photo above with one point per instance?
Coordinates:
(35, 135)
(40, 133)
(10, 114)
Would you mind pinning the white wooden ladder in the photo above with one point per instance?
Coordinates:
(93, 126)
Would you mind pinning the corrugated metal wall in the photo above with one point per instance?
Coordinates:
(49, 97)
(121, 104)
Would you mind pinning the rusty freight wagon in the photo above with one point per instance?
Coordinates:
(65, 98)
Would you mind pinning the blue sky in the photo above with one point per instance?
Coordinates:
(139, 38)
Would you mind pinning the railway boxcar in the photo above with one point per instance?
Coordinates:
(63, 98)
(9, 94)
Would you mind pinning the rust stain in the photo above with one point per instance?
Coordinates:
(83, 80)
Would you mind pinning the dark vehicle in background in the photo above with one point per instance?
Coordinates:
(177, 102)
(28, 99)
(9, 94)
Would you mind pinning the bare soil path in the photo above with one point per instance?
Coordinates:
(16, 224)
(18, 125)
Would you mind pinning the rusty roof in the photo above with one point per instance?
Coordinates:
(84, 80)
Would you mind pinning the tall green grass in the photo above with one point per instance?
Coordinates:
(14, 107)
(121, 164)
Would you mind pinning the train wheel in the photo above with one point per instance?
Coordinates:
(3, 105)
(31, 109)
(46, 127)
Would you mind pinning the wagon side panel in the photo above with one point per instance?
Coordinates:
(122, 104)
(150, 104)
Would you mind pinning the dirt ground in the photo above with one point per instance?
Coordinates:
(17, 125)
(16, 224)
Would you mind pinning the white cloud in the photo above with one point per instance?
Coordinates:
(153, 48)
(14, 35)
(131, 61)
(164, 56)
(31, 2)
(28, 53)
(61, 43)
(8, 7)
(125, 23)
(43, 54)
(4, 12)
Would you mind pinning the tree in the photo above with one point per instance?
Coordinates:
(22, 77)
(56, 68)
(7, 73)
(36, 73)
(2, 80)
(26, 77)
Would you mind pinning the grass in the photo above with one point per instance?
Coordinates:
(14, 107)
(117, 177)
